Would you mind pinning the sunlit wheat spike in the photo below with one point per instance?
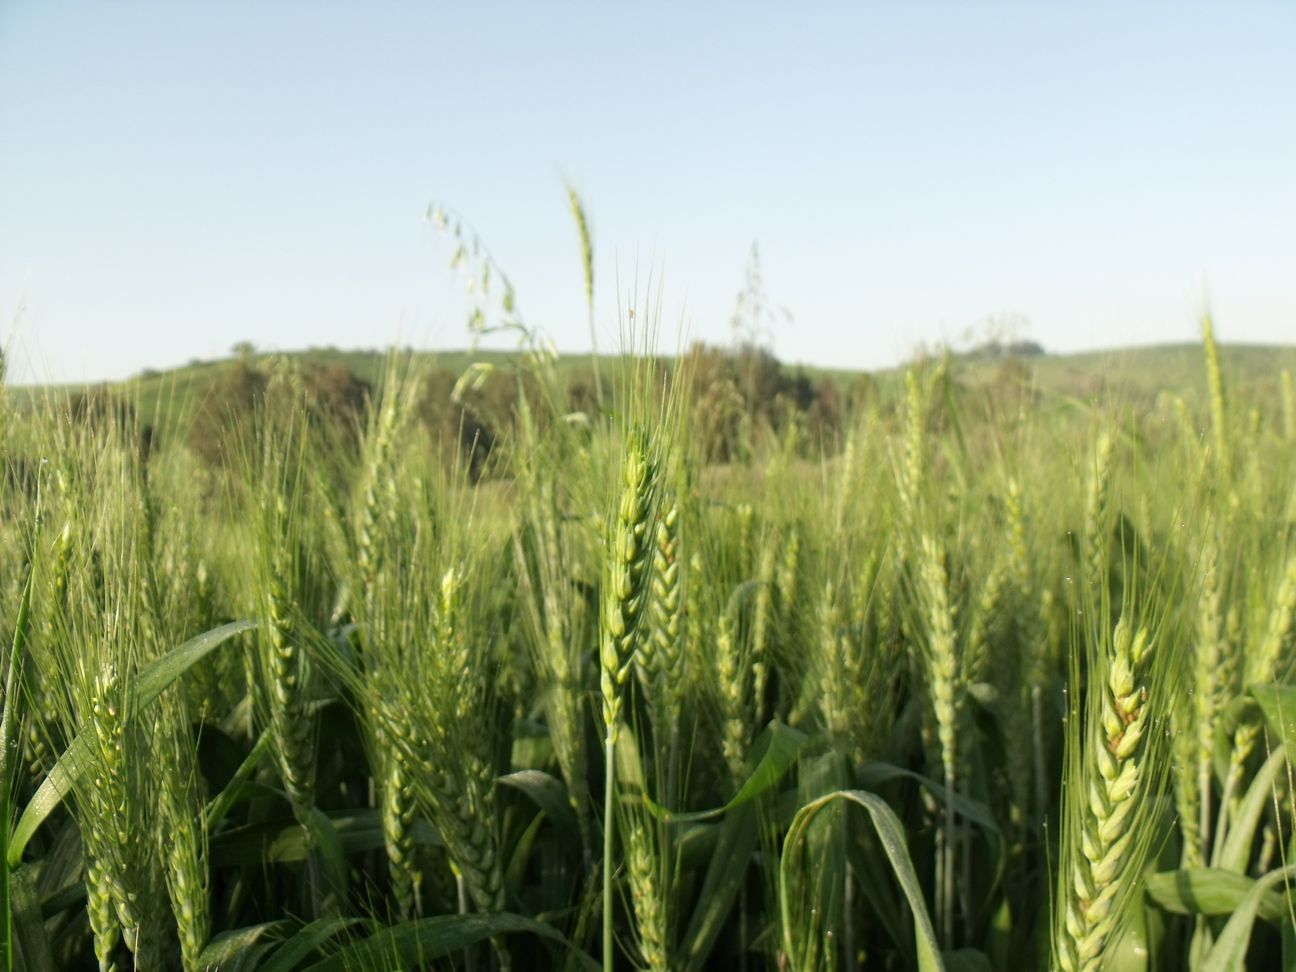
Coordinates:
(630, 544)
(1107, 815)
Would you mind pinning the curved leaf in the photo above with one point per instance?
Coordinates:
(891, 835)
(151, 682)
(1236, 850)
(157, 676)
(1230, 948)
(240, 949)
(1210, 891)
(550, 795)
(305, 940)
(877, 772)
(779, 745)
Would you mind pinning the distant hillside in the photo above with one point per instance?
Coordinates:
(1174, 367)
(171, 396)
(1135, 374)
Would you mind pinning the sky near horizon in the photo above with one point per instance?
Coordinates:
(178, 177)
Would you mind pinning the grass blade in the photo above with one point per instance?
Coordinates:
(1242, 825)
(780, 747)
(241, 949)
(724, 879)
(304, 941)
(550, 795)
(891, 834)
(10, 760)
(29, 943)
(1231, 947)
(1211, 891)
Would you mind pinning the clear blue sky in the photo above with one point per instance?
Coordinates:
(176, 177)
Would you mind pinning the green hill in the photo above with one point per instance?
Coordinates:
(1130, 375)
(171, 396)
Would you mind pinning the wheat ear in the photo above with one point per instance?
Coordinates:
(1115, 740)
(629, 551)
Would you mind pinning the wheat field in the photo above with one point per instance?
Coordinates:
(980, 678)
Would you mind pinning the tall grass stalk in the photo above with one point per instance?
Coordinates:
(1215, 386)
(587, 267)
